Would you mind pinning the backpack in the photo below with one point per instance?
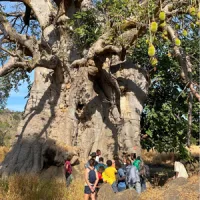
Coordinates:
(147, 171)
(92, 175)
(144, 170)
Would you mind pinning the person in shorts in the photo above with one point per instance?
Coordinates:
(91, 181)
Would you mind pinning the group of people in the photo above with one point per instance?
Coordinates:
(128, 172)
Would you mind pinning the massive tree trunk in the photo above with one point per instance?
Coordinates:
(76, 113)
(83, 104)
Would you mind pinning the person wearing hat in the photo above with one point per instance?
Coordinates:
(93, 156)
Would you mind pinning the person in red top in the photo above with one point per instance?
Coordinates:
(99, 172)
(68, 170)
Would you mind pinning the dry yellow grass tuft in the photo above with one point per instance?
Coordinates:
(194, 150)
(3, 152)
(154, 157)
(32, 187)
(75, 190)
(152, 194)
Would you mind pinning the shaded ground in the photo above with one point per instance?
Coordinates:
(159, 174)
(174, 190)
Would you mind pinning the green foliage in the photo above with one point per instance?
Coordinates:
(17, 77)
(115, 9)
(12, 80)
(164, 118)
(86, 28)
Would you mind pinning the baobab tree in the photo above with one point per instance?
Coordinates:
(85, 94)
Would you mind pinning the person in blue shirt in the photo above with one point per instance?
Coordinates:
(120, 176)
(101, 163)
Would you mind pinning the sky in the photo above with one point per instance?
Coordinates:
(17, 101)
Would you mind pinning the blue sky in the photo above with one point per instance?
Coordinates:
(17, 101)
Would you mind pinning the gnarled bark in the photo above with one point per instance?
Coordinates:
(76, 105)
(76, 113)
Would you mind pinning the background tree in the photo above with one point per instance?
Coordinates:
(86, 92)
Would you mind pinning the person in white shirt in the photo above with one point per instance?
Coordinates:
(98, 153)
(180, 170)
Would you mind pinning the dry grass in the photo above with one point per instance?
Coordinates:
(194, 150)
(3, 152)
(31, 187)
(154, 157)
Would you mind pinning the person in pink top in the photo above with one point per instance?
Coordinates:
(68, 170)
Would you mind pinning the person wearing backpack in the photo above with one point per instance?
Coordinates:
(132, 177)
(144, 174)
(93, 156)
(91, 180)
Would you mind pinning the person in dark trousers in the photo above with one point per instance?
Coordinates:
(144, 174)
(68, 170)
(91, 181)
(121, 178)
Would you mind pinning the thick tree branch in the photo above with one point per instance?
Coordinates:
(190, 99)
(11, 65)
(194, 92)
(50, 62)
(42, 10)
(11, 34)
